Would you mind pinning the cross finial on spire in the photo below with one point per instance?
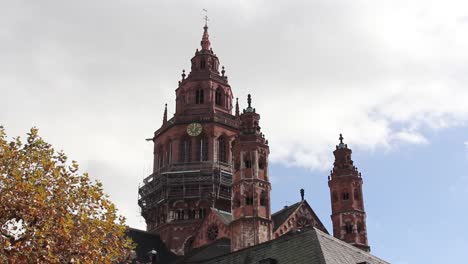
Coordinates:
(302, 194)
(206, 17)
(341, 139)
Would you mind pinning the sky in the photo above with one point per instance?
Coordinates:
(94, 76)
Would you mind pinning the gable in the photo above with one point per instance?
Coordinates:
(296, 216)
(214, 226)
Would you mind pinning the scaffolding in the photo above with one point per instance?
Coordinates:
(185, 181)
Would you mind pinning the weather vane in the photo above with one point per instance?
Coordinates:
(206, 17)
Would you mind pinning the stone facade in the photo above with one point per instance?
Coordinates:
(250, 188)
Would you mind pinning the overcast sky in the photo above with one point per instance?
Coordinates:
(391, 76)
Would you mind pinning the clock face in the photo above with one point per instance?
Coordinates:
(194, 129)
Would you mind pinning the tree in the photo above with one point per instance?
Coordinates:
(51, 214)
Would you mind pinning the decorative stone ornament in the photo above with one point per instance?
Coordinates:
(302, 222)
(212, 232)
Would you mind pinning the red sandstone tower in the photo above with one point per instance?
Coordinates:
(348, 215)
(251, 223)
(192, 157)
(206, 157)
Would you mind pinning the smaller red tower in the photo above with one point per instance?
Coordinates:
(348, 215)
(250, 204)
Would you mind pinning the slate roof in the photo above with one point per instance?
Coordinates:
(225, 217)
(308, 247)
(145, 242)
(218, 248)
(281, 216)
(336, 251)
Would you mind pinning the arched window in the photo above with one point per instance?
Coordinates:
(222, 149)
(160, 154)
(261, 162)
(345, 195)
(180, 214)
(202, 212)
(335, 197)
(202, 64)
(360, 227)
(169, 152)
(356, 194)
(248, 200)
(349, 228)
(199, 96)
(248, 160)
(185, 150)
(202, 149)
(263, 199)
(219, 97)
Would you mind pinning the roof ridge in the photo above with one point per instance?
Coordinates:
(284, 208)
(322, 254)
(220, 211)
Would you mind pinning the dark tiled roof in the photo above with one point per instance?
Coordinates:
(336, 251)
(219, 247)
(145, 242)
(311, 247)
(281, 216)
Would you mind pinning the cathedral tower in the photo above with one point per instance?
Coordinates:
(192, 169)
(348, 215)
(251, 223)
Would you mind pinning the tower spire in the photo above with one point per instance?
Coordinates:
(165, 114)
(205, 42)
(237, 107)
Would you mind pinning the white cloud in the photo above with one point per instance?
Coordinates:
(409, 137)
